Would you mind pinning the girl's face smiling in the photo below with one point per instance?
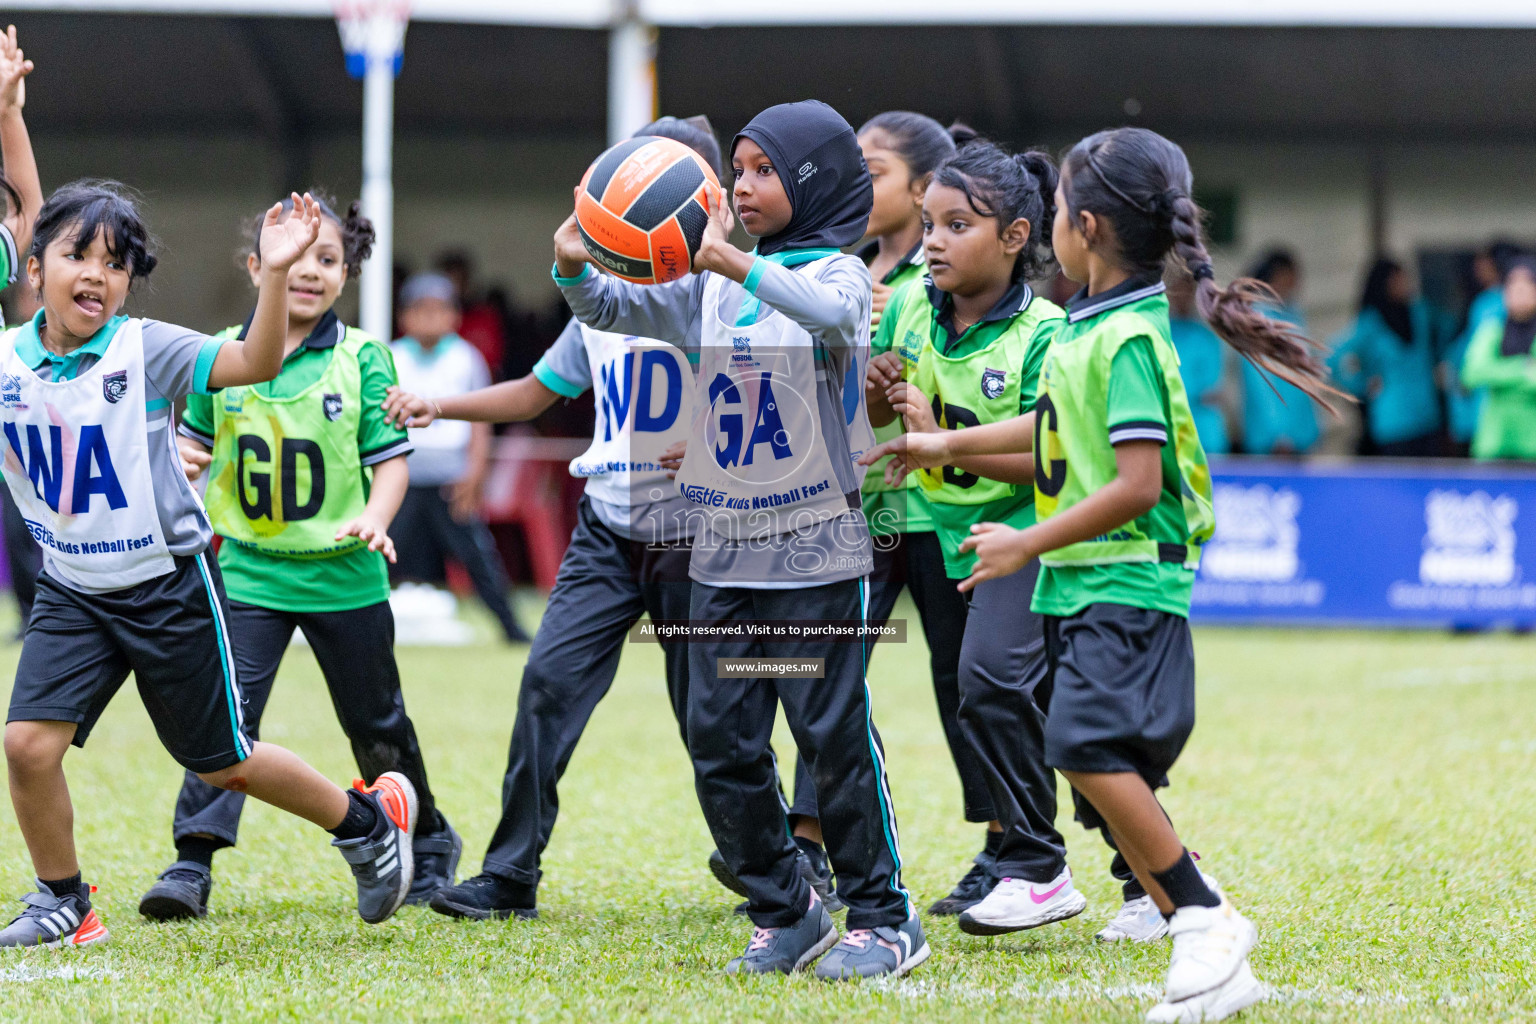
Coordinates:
(81, 290)
(316, 280)
(762, 205)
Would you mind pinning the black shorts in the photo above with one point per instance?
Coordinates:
(169, 632)
(1119, 693)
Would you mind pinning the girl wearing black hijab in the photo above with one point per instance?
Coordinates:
(782, 337)
(1387, 359)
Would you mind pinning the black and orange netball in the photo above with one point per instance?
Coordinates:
(643, 206)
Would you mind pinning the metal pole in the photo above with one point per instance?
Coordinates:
(631, 75)
(379, 195)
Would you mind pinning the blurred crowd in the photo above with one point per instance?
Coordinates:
(1430, 381)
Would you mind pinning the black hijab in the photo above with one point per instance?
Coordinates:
(1519, 335)
(1377, 295)
(819, 161)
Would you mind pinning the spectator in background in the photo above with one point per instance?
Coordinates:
(1278, 417)
(481, 323)
(1500, 360)
(441, 511)
(1387, 359)
(1463, 403)
(1200, 362)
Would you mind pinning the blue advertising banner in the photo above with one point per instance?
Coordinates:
(1370, 543)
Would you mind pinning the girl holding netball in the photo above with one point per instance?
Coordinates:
(782, 335)
(1123, 505)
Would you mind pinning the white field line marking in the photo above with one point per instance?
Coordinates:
(1450, 675)
(33, 972)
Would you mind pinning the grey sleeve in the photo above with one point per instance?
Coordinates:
(666, 312)
(567, 360)
(833, 305)
(177, 360)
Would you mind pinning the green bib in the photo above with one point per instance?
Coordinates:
(286, 474)
(984, 385)
(1073, 456)
(903, 504)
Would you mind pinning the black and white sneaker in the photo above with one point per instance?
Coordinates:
(382, 862)
(484, 898)
(809, 858)
(437, 863)
(56, 922)
(972, 888)
(180, 892)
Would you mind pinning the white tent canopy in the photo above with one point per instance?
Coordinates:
(600, 13)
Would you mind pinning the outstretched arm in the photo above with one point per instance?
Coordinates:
(15, 143)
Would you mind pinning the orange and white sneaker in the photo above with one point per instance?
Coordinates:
(57, 922)
(382, 862)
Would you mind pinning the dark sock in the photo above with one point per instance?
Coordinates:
(198, 849)
(71, 886)
(994, 843)
(362, 818)
(1184, 886)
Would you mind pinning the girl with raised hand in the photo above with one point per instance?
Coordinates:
(305, 474)
(782, 335)
(1123, 499)
(127, 584)
(22, 191)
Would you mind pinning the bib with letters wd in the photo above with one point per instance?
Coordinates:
(286, 474)
(758, 459)
(643, 393)
(77, 463)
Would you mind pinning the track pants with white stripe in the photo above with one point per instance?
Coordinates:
(356, 652)
(730, 721)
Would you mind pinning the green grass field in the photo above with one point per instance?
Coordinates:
(1367, 799)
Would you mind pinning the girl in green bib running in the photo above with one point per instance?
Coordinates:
(1123, 502)
(965, 347)
(305, 474)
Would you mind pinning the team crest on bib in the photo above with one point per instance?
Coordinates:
(331, 403)
(10, 391)
(993, 383)
(114, 386)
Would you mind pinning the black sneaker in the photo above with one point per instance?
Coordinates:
(814, 866)
(485, 897)
(437, 863)
(180, 892)
(972, 888)
(809, 857)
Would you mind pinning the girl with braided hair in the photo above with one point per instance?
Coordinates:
(1123, 503)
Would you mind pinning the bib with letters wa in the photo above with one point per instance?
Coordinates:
(77, 463)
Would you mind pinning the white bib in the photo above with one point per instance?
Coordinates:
(643, 393)
(77, 462)
(757, 457)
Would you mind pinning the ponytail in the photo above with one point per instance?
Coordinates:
(357, 234)
(1009, 187)
(12, 197)
(1140, 183)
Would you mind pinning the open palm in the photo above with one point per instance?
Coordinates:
(283, 241)
(14, 69)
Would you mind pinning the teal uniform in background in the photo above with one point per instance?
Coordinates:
(1200, 364)
(1407, 408)
(1277, 415)
(1464, 404)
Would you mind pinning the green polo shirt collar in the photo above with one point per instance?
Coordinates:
(29, 346)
